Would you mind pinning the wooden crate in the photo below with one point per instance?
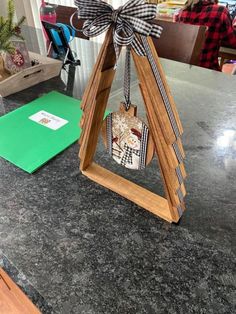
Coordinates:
(46, 69)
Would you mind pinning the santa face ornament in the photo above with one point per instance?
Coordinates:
(128, 140)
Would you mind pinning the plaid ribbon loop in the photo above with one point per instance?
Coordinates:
(129, 19)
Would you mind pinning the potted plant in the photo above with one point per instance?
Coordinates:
(8, 29)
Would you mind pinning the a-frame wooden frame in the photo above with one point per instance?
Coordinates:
(168, 146)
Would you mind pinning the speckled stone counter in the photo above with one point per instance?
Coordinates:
(85, 249)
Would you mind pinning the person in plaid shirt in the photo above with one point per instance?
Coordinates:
(220, 30)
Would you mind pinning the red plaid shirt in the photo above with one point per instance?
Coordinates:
(219, 32)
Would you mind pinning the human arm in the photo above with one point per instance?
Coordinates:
(228, 30)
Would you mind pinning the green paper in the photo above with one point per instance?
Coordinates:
(28, 144)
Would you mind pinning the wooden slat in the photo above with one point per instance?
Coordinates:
(90, 92)
(85, 117)
(89, 96)
(140, 196)
(168, 149)
(12, 299)
(93, 128)
(183, 190)
(97, 109)
(170, 97)
(183, 171)
(153, 91)
(150, 105)
(160, 69)
(105, 78)
(170, 182)
(180, 145)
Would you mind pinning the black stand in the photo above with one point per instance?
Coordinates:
(63, 52)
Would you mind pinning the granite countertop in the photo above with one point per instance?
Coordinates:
(85, 249)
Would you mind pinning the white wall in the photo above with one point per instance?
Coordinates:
(23, 8)
(30, 8)
(3, 7)
(26, 8)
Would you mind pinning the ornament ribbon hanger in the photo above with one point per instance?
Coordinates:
(127, 75)
(127, 21)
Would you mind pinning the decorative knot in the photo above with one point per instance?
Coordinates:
(128, 20)
(115, 15)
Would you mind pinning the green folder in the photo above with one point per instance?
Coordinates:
(29, 144)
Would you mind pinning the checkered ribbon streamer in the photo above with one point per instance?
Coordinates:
(127, 21)
(128, 155)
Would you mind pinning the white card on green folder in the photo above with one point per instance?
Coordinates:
(29, 144)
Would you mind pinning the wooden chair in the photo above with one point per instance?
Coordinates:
(180, 42)
(226, 53)
(64, 14)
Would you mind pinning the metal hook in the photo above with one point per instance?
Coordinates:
(72, 25)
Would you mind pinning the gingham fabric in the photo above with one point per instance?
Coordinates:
(143, 146)
(127, 76)
(180, 195)
(128, 155)
(129, 19)
(161, 86)
(109, 133)
(180, 210)
(179, 175)
(177, 152)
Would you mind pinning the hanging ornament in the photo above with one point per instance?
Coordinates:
(126, 137)
(128, 140)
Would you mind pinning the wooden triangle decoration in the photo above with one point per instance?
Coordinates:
(164, 125)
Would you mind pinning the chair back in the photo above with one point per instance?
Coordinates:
(180, 42)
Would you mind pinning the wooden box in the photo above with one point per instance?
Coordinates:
(46, 69)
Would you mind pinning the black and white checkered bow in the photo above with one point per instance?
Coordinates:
(127, 21)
